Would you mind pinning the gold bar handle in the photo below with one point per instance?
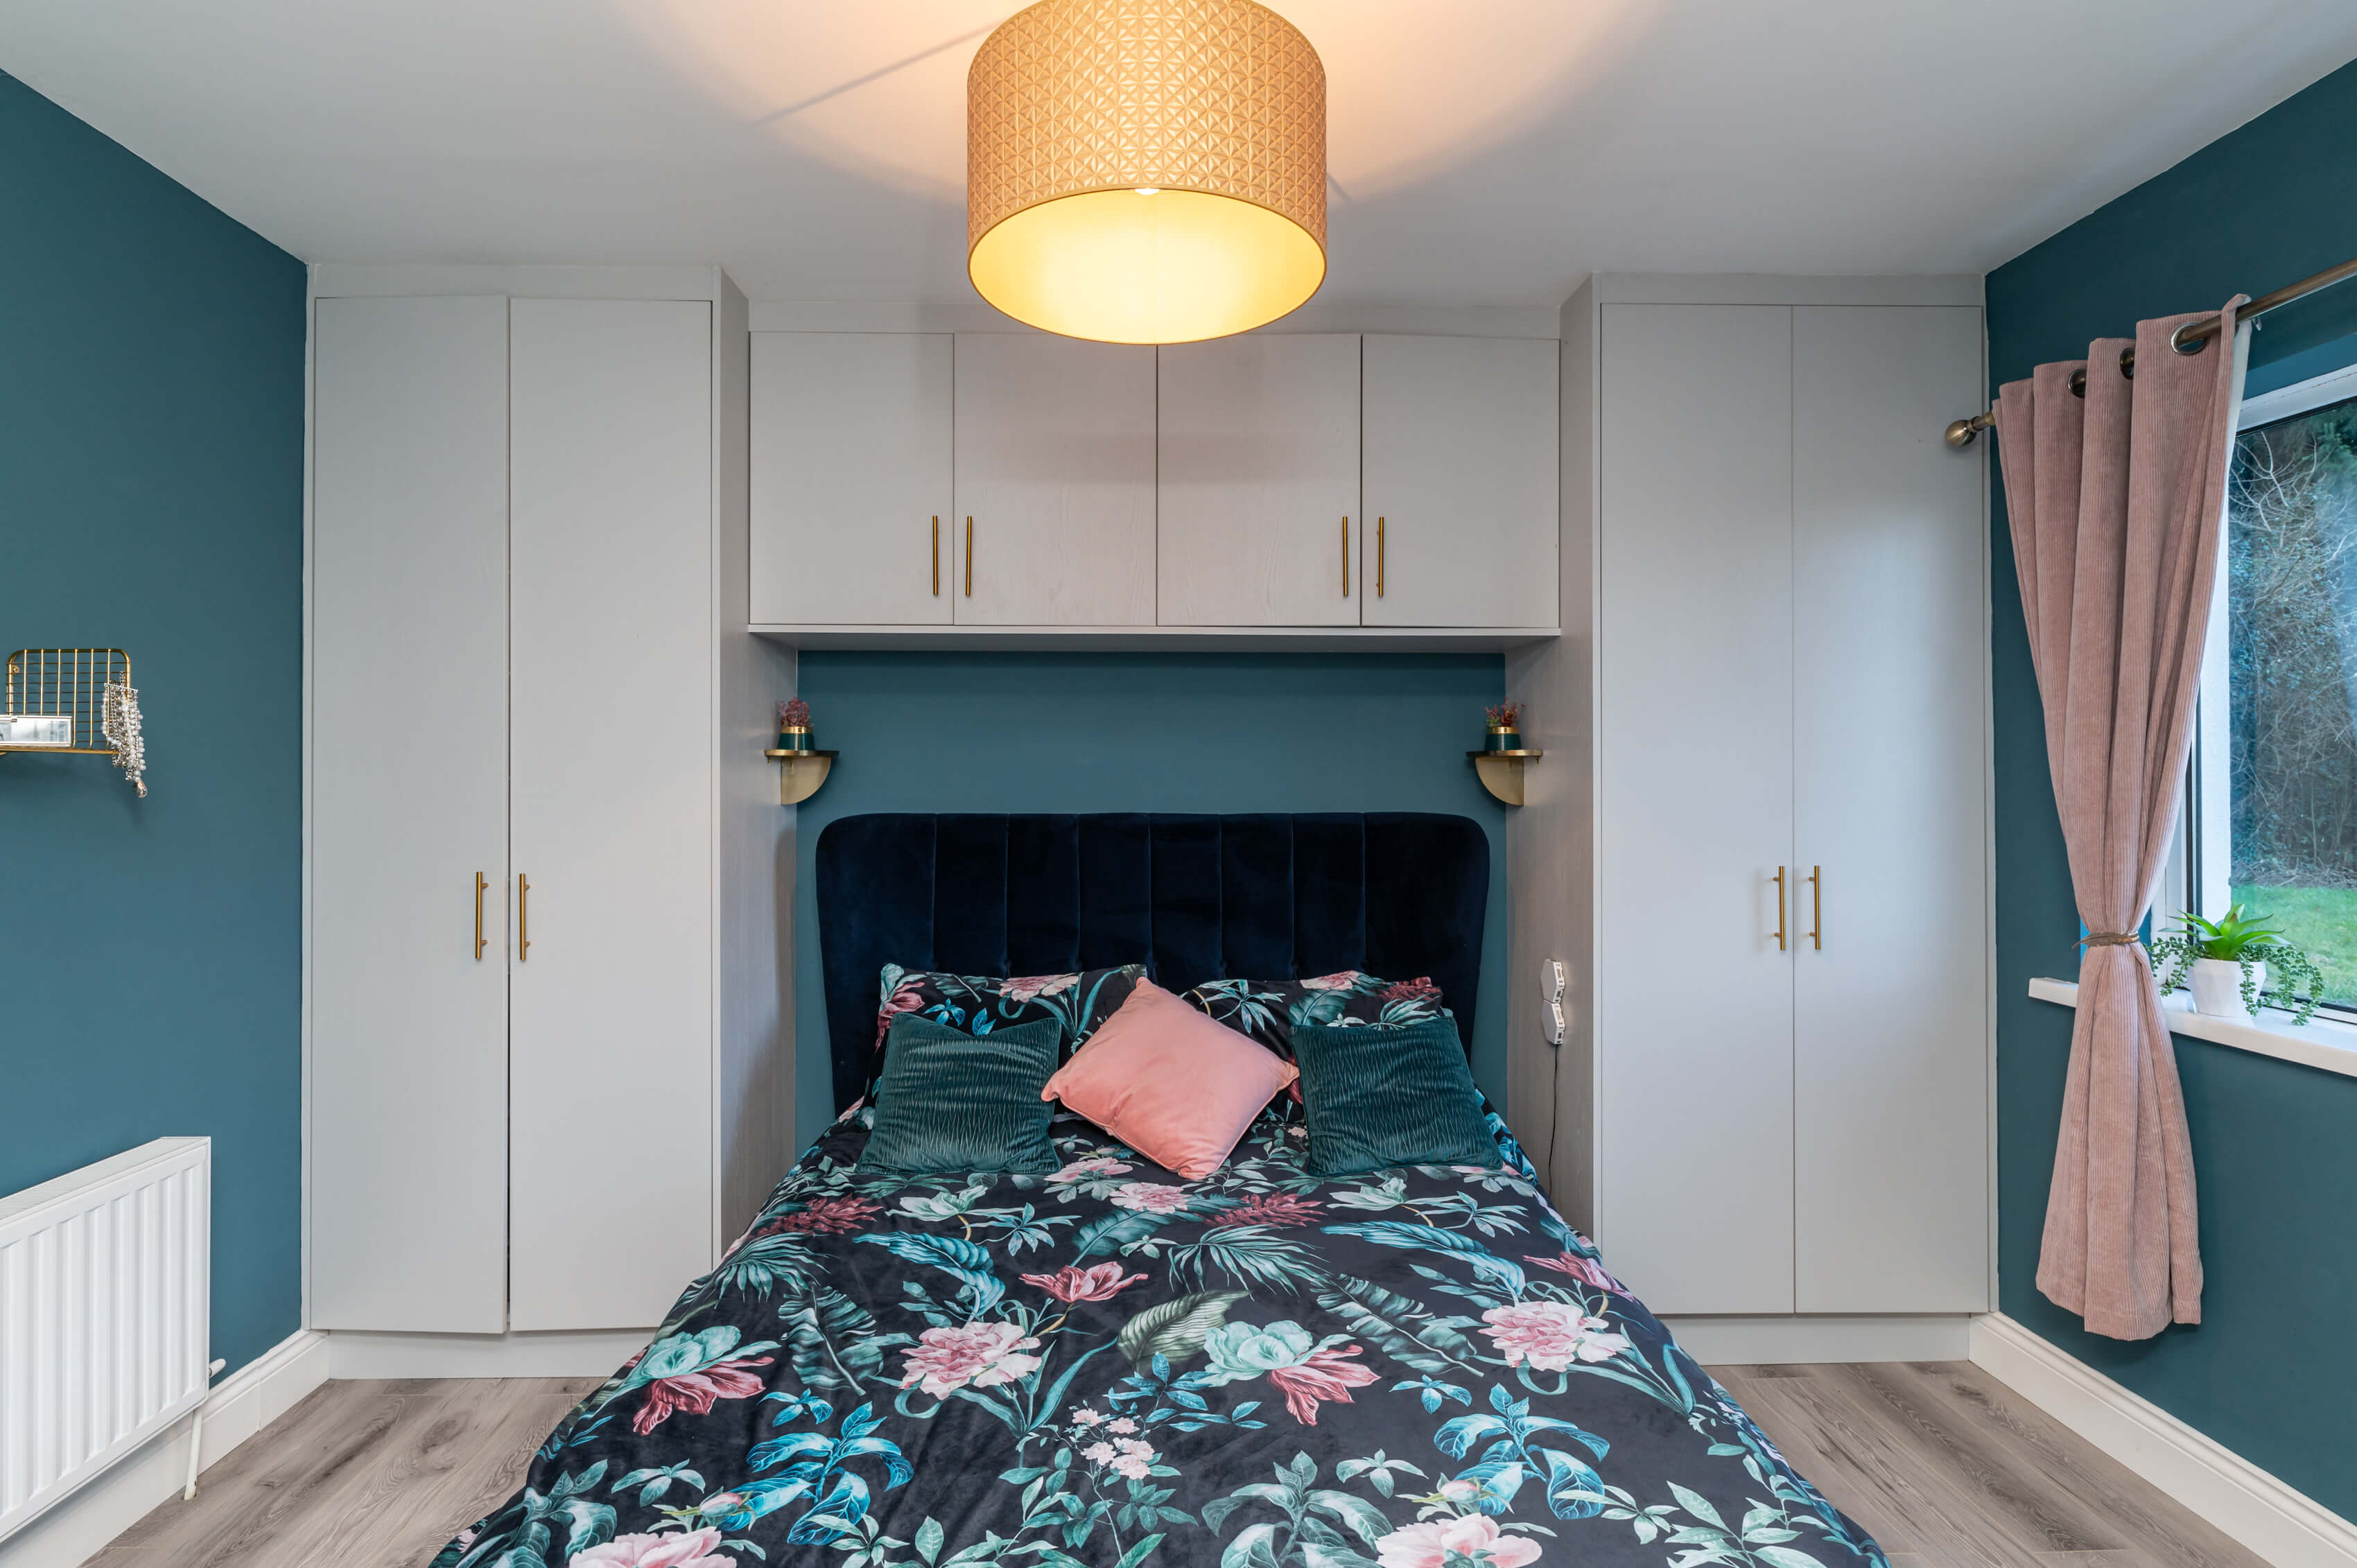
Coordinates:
(1379, 557)
(480, 943)
(1817, 908)
(1780, 909)
(969, 558)
(524, 919)
(1346, 557)
(937, 556)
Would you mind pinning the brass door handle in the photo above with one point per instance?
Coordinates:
(937, 556)
(1379, 557)
(524, 919)
(969, 558)
(1817, 908)
(1780, 909)
(480, 943)
(1346, 557)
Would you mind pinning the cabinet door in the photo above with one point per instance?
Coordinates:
(851, 479)
(1258, 482)
(409, 737)
(1461, 442)
(1694, 994)
(1890, 638)
(611, 796)
(1055, 470)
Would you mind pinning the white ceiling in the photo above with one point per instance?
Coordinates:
(1483, 152)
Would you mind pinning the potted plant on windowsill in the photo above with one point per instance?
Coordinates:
(2227, 961)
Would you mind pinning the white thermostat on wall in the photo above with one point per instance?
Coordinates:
(37, 732)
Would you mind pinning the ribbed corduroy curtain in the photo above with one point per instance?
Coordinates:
(2116, 502)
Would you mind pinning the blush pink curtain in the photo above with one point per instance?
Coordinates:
(2117, 501)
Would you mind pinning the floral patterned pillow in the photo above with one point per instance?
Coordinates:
(976, 1004)
(1268, 1009)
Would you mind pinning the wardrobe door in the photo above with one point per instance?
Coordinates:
(1460, 477)
(407, 1145)
(1055, 482)
(1694, 992)
(612, 803)
(1891, 651)
(851, 479)
(1257, 486)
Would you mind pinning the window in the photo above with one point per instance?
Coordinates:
(2271, 812)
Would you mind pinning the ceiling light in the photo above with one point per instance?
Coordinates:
(1216, 108)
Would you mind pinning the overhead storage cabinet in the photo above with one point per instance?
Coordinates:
(1306, 483)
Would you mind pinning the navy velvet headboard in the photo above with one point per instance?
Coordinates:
(1398, 894)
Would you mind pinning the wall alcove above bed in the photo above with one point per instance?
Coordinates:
(1399, 894)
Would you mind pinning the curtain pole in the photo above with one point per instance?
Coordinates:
(1962, 431)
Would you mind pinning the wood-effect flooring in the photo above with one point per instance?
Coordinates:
(1944, 1466)
(358, 1474)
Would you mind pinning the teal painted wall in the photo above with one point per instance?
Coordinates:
(2267, 1371)
(1016, 732)
(151, 498)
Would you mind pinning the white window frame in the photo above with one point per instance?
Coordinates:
(2200, 863)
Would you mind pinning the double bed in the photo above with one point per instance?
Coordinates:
(1110, 1365)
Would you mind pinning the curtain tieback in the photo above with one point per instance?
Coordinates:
(2109, 939)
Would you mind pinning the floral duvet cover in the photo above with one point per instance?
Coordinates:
(1112, 1367)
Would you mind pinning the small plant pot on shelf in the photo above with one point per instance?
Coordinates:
(1500, 762)
(2210, 956)
(2218, 987)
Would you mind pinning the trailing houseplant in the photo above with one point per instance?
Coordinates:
(2242, 944)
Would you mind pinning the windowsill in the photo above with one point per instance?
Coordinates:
(2329, 1047)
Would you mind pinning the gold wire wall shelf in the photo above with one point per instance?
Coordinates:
(73, 702)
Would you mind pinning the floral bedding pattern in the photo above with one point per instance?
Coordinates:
(1111, 1366)
(1267, 1010)
(976, 1004)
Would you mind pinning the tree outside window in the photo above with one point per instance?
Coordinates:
(2292, 682)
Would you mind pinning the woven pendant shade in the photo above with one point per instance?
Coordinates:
(1145, 171)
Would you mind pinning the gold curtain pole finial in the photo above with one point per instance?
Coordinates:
(1962, 431)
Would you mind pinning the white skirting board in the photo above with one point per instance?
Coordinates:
(595, 1353)
(1809, 1337)
(2281, 1525)
(240, 1405)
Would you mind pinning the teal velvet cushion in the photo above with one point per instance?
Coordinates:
(1379, 1095)
(949, 1101)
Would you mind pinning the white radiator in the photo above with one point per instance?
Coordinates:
(104, 1329)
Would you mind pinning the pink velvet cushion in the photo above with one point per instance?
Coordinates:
(1169, 1082)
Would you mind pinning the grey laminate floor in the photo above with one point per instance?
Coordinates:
(1947, 1467)
(358, 1474)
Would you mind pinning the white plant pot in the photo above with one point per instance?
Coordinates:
(2218, 987)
